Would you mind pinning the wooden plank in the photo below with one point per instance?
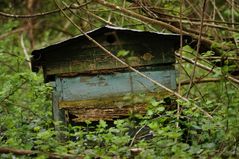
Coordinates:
(117, 84)
(95, 114)
(112, 102)
(109, 108)
(83, 56)
(94, 59)
(58, 114)
(110, 96)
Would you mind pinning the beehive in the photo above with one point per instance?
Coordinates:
(90, 85)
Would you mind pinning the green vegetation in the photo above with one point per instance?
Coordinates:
(179, 129)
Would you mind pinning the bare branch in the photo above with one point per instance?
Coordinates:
(136, 134)
(204, 24)
(220, 58)
(180, 60)
(11, 32)
(7, 15)
(198, 46)
(191, 19)
(205, 41)
(98, 17)
(5, 150)
(7, 65)
(25, 51)
(206, 80)
(13, 91)
(206, 68)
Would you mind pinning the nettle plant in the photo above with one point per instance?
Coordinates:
(161, 132)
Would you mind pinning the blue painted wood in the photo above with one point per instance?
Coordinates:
(117, 84)
(58, 114)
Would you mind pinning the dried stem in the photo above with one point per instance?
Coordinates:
(136, 134)
(207, 68)
(7, 15)
(198, 46)
(206, 80)
(98, 17)
(5, 35)
(153, 21)
(13, 91)
(25, 51)
(180, 61)
(6, 150)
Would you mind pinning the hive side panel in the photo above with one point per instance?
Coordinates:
(110, 96)
(86, 57)
(116, 84)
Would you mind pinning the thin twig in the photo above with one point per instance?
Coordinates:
(198, 47)
(98, 17)
(82, 19)
(25, 51)
(205, 24)
(14, 55)
(233, 20)
(13, 91)
(183, 68)
(220, 58)
(153, 21)
(4, 35)
(180, 61)
(7, 15)
(7, 150)
(130, 17)
(207, 68)
(217, 10)
(205, 80)
(136, 134)
(194, 9)
(122, 20)
(191, 19)
(9, 66)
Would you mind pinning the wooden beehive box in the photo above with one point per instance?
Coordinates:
(90, 85)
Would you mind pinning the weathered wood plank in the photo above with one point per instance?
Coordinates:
(93, 59)
(110, 96)
(109, 108)
(78, 55)
(113, 85)
(112, 102)
(95, 114)
(58, 113)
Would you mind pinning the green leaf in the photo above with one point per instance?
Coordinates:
(150, 112)
(160, 109)
(155, 103)
(122, 53)
(102, 124)
(208, 53)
